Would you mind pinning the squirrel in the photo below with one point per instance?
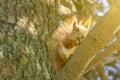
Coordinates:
(65, 40)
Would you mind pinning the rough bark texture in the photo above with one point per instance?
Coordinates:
(25, 28)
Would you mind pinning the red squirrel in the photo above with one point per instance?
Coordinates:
(65, 39)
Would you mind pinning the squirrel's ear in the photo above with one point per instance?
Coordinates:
(88, 22)
(74, 26)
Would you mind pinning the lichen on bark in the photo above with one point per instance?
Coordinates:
(25, 28)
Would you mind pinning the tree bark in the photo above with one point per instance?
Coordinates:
(25, 28)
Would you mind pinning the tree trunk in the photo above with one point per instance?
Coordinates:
(25, 28)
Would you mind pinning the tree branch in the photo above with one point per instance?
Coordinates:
(95, 40)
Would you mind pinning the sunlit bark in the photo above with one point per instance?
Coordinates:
(94, 42)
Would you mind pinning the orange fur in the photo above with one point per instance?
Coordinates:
(64, 41)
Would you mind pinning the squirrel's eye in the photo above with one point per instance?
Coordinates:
(82, 36)
(60, 49)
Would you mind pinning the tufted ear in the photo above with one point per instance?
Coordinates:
(88, 22)
(74, 25)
